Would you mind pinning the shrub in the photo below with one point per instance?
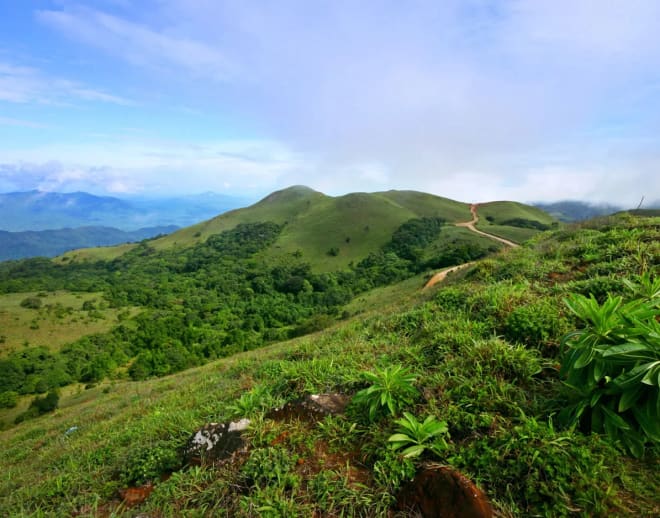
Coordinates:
(533, 324)
(391, 470)
(39, 406)
(526, 223)
(149, 464)
(31, 303)
(8, 399)
(48, 403)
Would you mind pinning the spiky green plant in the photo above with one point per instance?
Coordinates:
(417, 437)
(613, 366)
(392, 388)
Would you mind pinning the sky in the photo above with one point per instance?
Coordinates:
(476, 100)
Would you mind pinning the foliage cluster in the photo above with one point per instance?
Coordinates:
(40, 406)
(526, 223)
(612, 366)
(392, 388)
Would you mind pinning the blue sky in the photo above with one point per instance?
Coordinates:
(474, 100)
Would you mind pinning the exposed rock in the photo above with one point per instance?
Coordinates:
(214, 441)
(443, 492)
(311, 408)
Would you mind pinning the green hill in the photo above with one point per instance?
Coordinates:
(512, 220)
(481, 352)
(351, 226)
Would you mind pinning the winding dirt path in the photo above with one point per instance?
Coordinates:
(470, 225)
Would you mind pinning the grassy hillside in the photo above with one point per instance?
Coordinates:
(499, 212)
(61, 318)
(355, 224)
(511, 220)
(483, 350)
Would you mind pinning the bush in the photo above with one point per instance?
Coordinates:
(39, 406)
(533, 324)
(31, 303)
(525, 223)
(48, 403)
(8, 399)
(149, 464)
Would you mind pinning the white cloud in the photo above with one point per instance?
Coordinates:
(139, 44)
(23, 85)
(153, 167)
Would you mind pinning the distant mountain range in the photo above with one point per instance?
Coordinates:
(37, 210)
(49, 243)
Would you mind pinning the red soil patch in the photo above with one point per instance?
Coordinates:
(442, 492)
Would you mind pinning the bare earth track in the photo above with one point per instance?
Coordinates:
(470, 225)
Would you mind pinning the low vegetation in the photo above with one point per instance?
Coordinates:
(477, 374)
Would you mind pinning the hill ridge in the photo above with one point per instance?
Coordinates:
(351, 225)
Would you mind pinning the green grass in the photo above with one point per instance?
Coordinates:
(493, 215)
(505, 210)
(428, 205)
(515, 234)
(483, 348)
(389, 299)
(101, 253)
(451, 236)
(60, 320)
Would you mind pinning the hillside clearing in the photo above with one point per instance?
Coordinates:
(60, 319)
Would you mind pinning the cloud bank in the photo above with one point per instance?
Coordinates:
(470, 99)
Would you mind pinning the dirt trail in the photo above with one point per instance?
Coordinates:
(470, 225)
(440, 276)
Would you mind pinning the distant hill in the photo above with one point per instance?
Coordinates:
(576, 210)
(330, 232)
(49, 243)
(36, 210)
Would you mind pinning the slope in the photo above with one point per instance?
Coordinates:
(512, 220)
(482, 350)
